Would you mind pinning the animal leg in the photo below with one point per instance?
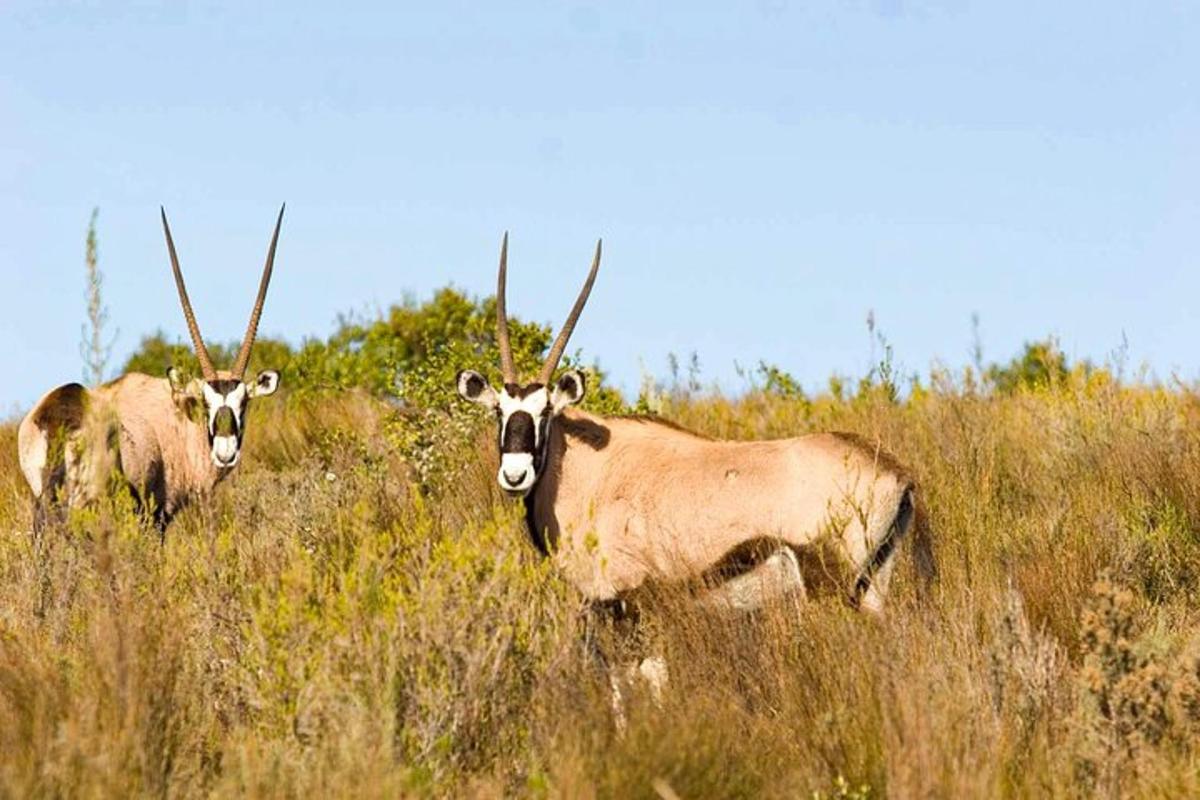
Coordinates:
(651, 669)
(595, 615)
(654, 671)
(871, 586)
(161, 520)
(43, 516)
(147, 506)
(776, 576)
(49, 518)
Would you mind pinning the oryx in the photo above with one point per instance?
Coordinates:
(619, 502)
(167, 439)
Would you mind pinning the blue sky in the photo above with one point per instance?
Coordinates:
(763, 173)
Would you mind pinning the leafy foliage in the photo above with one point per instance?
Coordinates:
(779, 382)
(1041, 364)
(156, 353)
(411, 355)
(375, 354)
(412, 352)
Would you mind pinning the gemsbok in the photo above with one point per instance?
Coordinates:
(166, 439)
(624, 502)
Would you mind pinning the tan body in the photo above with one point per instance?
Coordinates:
(76, 440)
(624, 501)
(166, 439)
(621, 503)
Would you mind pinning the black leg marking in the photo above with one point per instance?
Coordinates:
(592, 651)
(885, 549)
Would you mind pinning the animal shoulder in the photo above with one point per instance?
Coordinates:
(660, 424)
(596, 431)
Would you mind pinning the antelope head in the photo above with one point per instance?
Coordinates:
(524, 412)
(219, 397)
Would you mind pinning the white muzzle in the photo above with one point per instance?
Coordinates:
(516, 474)
(225, 451)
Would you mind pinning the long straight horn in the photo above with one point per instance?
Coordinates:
(243, 356)
(507, 369)
(206, 364)
(560, 344)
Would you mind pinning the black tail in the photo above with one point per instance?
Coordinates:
(910, 519)
(922, 536)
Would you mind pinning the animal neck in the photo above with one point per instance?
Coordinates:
(196, 469)
(539, 503)
(163, 453)
(570, 434)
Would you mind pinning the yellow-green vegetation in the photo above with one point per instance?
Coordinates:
(358, 613)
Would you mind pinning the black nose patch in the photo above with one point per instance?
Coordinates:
(518, 434)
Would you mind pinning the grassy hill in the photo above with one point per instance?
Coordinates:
(357, 612)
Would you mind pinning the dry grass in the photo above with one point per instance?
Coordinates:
(324, 628)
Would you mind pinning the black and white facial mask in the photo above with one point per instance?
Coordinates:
(524, 415)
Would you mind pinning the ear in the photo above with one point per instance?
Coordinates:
(474, 387)
(265, 384)
(180, 388)
(568, 390)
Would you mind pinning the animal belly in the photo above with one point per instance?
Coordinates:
(610, 550)
(621, 550)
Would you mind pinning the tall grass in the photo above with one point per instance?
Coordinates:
(328, 625)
